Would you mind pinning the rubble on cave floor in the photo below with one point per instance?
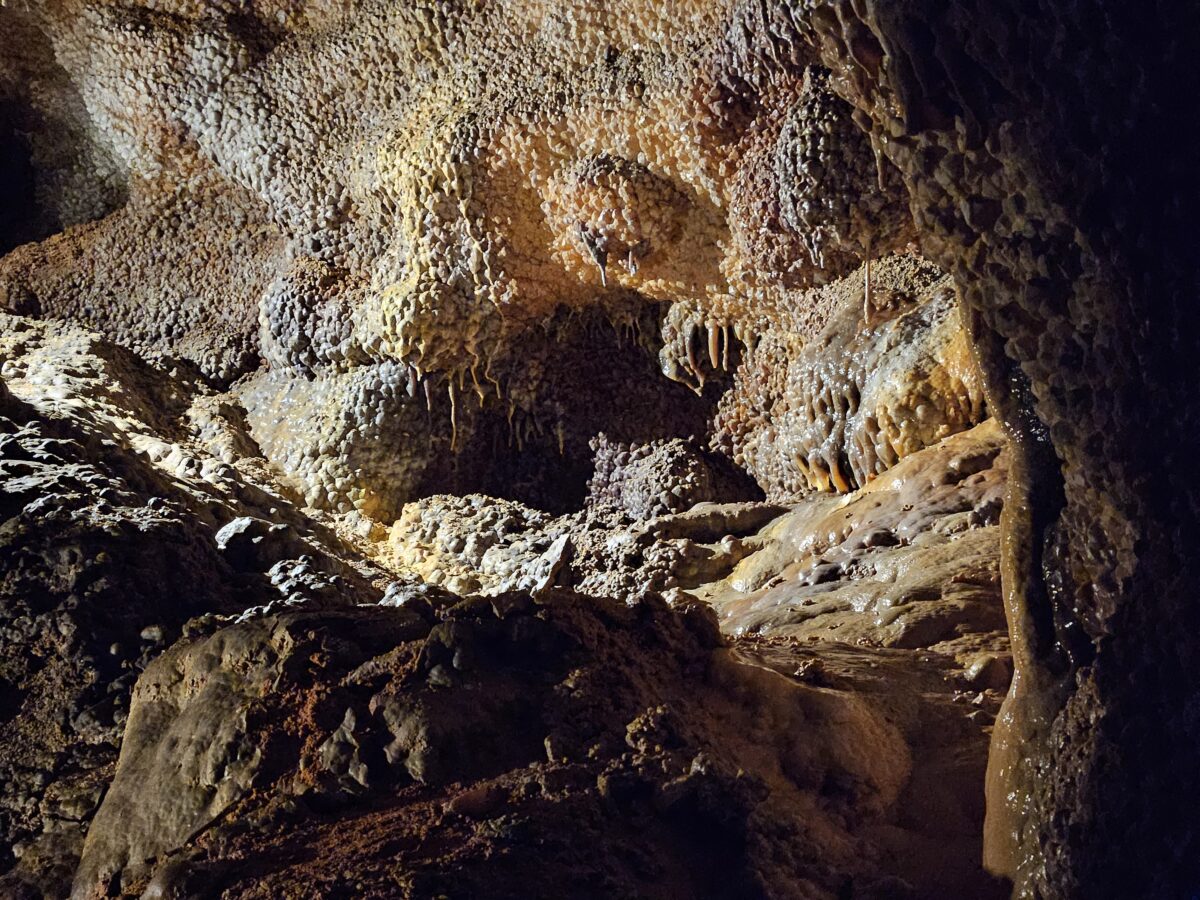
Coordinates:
(621, 523)
(628, 699)
(512, 747)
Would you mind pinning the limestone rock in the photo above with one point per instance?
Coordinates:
(493, 326)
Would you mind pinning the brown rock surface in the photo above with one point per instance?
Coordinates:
(514, 748)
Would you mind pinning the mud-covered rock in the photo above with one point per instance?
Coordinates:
(536, 743)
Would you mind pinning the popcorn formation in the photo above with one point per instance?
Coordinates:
(387, 206)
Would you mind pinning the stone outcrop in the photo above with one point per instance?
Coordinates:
(258, 666)
(536, 746)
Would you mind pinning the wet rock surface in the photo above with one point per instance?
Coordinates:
(863, 567)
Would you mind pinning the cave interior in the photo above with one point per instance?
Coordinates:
(693, 448)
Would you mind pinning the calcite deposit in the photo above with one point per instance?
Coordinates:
(723, 448)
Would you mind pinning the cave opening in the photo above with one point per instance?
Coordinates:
(592, 379)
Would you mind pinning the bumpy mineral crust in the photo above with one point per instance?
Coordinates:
(493, 449)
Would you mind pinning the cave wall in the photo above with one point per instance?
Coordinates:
(1039, 144)
(380, 225)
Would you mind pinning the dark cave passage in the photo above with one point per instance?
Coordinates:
(19, 216)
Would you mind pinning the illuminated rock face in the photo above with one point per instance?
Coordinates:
(375, 212)
(406, 303)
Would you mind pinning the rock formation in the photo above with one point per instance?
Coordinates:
(618, 449)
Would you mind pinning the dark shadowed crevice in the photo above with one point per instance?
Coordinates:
(20, 218)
